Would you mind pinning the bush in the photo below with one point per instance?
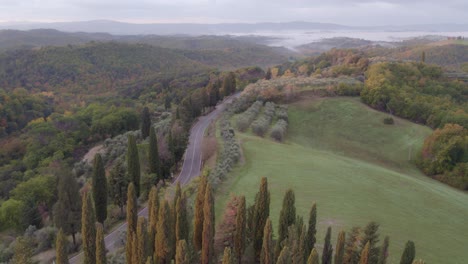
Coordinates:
(282, 113)
(388, 121)
(261, 125)
(244, 121)
(279, 130)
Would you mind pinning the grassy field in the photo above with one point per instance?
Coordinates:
(341, 155)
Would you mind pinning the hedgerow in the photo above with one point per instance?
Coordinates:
(244, 120)
(260, 125)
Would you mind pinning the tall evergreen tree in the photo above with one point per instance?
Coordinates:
(100, 245)
(162, 249)
(67, 210)
(239, 239)
(182, 253)
(88, 230)
(261, 214)
(129, 247)
(99, 189)
(266, 256)
(118, 185)
(61, 256)
(182, 226)
(153, 155)
(284, 256)
(313, 257)
(365, 254)
(423, 57)
(227, 256)
(327, 248)
(310, 238)
(207, 252)
(145, 122)
(132, 215)
(198, 214)
(153, 208)
(287, 218)
(408, 254)
(299, 258)
(268, 74)
(384, 251)
(142, 240)
(133, 163)
(371, 235)
(352, 252)
(340, 246)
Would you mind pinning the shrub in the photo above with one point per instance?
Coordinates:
(244, 121)
(279, 130)
(261, 125)
(388, 121)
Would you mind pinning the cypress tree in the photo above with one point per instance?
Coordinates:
(261, 214)
(310, 238)
(100, 245)
(61, 256)
(118, 185)
(133, 163)
(207, 252)
(227, 257)
(88, 230)
(266, 256)
(287, 218)
(198, 214)
(239, 239)
(162, 243)
(182, 253)
(149, 260)
(371, 235)
(313, 257)
(408, 254)
(384, 251)
(67, 210)
(340, 246)
(327, 248)
(351, 247)
(177, 194)
(129, 247)
(142, 241)
(365, 254)
(292, 241)
(268, 74)
(423, 57)
(135, 258)
(301, 245)
(153, 207)
(153, 155)
(99, 189)
(284, 256)
(182, 228)
(145, 123)
(132, 208)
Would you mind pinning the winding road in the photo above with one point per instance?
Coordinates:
(191, 168)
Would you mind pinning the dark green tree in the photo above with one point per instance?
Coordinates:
(310, 238)
(133, 164)
(198, 214)
(327, 248)
(153, 155)
(268, 74)
(88, 230)
(207, 252)
(182, 226)
(371, 235)
(339, 249)
(287, 218)
(423, 57)
(61, 256)
(239, 239)
(409, 253)
(352, 252)
(145, 122)
(261, 214)
(67, 210)
(132, 215)
(100, 245)
(99, 189)
(266, 255)
(384, 251)
(118, 185)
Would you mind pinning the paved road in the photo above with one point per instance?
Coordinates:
(191, 168)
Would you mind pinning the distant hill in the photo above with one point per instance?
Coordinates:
(318, 47)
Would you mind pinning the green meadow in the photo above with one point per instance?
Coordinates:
(339, 154)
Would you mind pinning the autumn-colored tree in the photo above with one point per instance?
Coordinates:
(145, 122)
(88, 230)
(327, 248)
(408, 254)
(100, 245)
(266, 256)
(339, 249)
(313, 257)
(228, 256)
(162, 242)
(310, 238)
(132, 215)
(239, 239)
(419, 261)
(384, 251)
(133, 163)
(23, 251)
(182, 253)
(287, 218)
(182, 225)
(284, 256)
(153, 155)
(352, 252)
(153, 208)
(207, 252)
(198, 214)
(365, 254)
(61, 256)
(260, 215)
(371, 235)
(142, 240)
(99, 189)
(129, 246)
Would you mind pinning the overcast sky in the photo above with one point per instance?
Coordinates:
(347, 12)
